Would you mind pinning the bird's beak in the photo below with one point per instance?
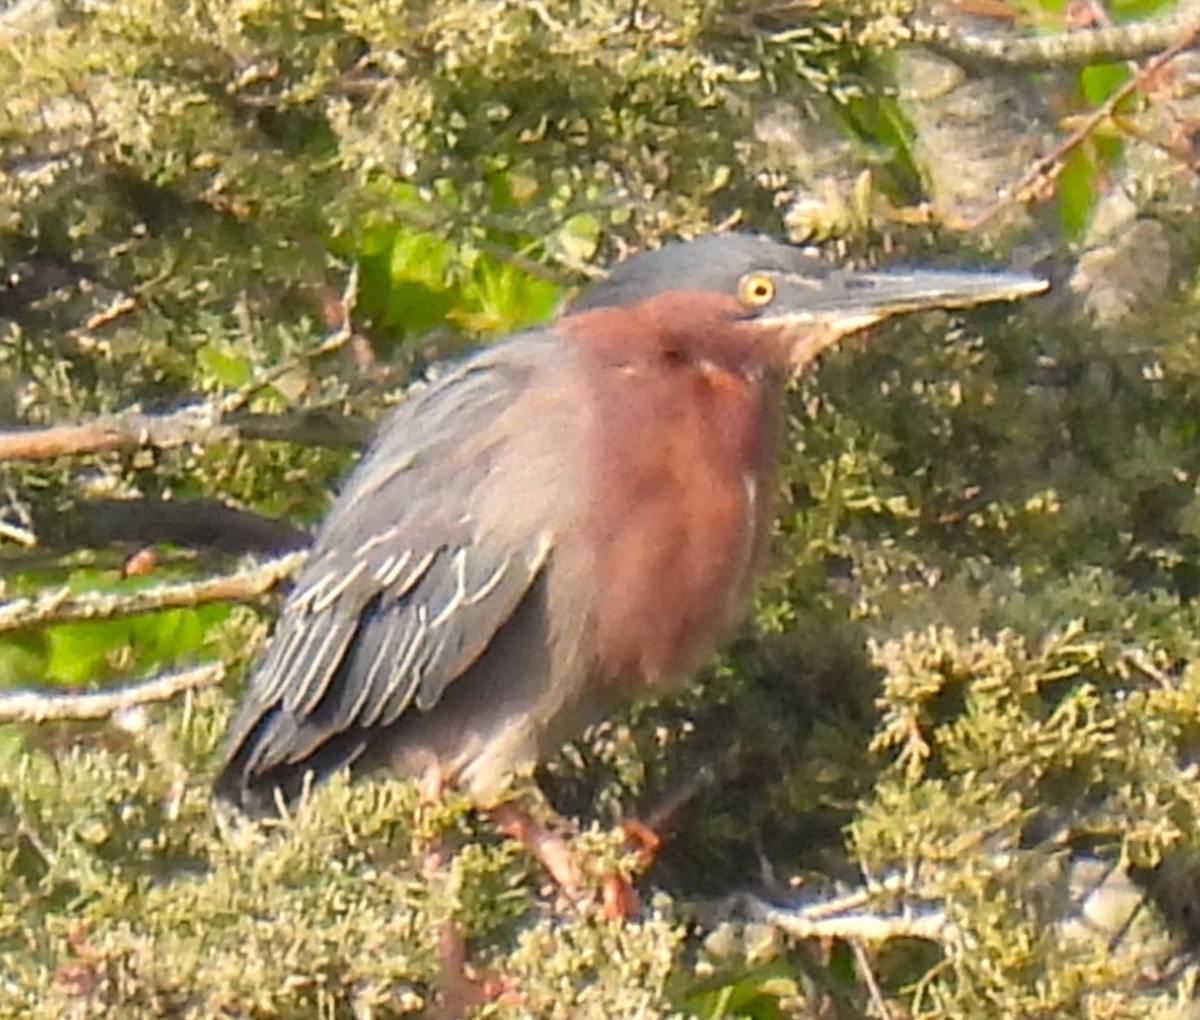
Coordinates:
(814, 314)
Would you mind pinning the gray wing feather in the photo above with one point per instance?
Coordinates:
(407, 583)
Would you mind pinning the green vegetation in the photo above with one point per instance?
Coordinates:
(974, 665)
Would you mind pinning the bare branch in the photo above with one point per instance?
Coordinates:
(1065, 49)
(65, 607)
(306, 429)
(193, 523)
(130, 431)
(819, 922)
(197, 423)
(40, 705)
(858, 915)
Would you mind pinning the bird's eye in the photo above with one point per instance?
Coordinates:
(756, 289)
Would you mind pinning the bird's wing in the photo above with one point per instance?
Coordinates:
(411, 575)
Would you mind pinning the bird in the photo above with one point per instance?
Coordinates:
(563, 521)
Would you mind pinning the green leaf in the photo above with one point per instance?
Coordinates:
(1099, 81)
(418, 257)
(1076, 192)
(578, 238)
(22, 661)
(230, 369)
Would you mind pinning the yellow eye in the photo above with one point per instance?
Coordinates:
(756, 289)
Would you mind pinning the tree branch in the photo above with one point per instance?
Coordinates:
(193, 523)
(306, 429)
(845, 918)
(129, 431)
(872, 929)
(42, 705)
(198, 423)
(64, 607)
(1065, 49)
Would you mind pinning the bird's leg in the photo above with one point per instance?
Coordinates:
(643, 839)
(617, 900)
(431, 784)
(646, 835)
(549, 848)
(459, 988)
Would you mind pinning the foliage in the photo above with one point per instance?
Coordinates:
(973, 664)
(122, 897)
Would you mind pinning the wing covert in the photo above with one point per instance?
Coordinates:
(425, 556)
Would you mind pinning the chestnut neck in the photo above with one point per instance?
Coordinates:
(682, 327)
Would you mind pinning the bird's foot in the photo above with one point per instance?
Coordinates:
(616, 899)
(619, 900)
(547, 846)
(643, 840)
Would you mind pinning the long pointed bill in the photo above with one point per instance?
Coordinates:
(845, 303)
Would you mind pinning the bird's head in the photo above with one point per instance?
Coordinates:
(785, 301)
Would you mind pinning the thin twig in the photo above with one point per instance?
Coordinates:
(868, 973)
(65, 607)
(335, 341)
(39, 705)
(119, 306)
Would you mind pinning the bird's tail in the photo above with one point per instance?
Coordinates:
(248, 788)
